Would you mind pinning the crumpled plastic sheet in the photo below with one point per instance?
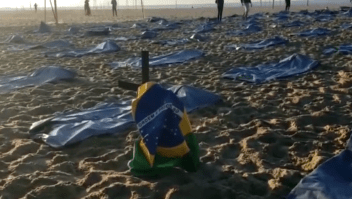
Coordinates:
(161, 60)
(171, 42)
(291, 66)
(97, 32)
(49, 74)
(105, 47)
(148, 35)
(331, 180)
(258, 44)
(315, 32)
(250, 29)
(107, 118)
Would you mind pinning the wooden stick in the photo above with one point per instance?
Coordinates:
(273, 3)
(57, 18)
(53, 10)
(145, 66)
(142, 8)
(45, 10)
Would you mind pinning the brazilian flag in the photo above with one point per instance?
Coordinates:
(166, 137)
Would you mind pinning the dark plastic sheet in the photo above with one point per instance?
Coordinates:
(138, 25)
(325, 17)
(250, 29)
(155, 19)
(208, 27)
(198, 37)
(331, 180)
(74, 30)
(346, 26)
(107, 118)
(98, 32)
(51, 45)
(161, 60)
(105, 47)
(50, 74)
(294, 65)
(259, 44)
(43, 28)
(125, 38)
(171, 42)
(343, 49)
(293, 24)
(148, 35)
(315, 32)
(14, 39)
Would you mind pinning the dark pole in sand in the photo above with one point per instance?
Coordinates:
(307, 2)
(273, 3)
(145, 66)
(45, 10)
(142, 8)
(261, 3)
(53, 11)
(57, 19)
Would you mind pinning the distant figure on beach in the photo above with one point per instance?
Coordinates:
(288, 4)
(245, 4)
(35, 7)
(114, 5)
(220, 8)
(87, 8)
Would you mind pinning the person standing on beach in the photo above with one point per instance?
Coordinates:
(114, 5)
(288, 4)
(35, 7)
(220, 8)
(87, 8)
(245, 4)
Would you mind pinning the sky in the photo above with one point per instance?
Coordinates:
(75, 3)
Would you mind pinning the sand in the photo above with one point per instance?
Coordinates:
(257, 144)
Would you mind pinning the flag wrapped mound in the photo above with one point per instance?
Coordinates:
(166, 137)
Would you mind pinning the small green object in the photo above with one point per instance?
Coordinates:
(163, 165)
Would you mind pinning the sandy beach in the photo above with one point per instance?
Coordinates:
(257, 144)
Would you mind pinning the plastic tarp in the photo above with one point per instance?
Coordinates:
(250, 21)
(207, 27)
(294, 65)
(98, 32)
(50, 74)
(346, 26)
(251, 28)
(148, 35)
(161, 60)
(50, 45)
(171, 26)
(259, 44)
(295, 23)
(171, 42)
(14, 39)
(138, 25)
(74, 30)
(105, 47)
(107, 118)
(281, 16)
(43, 28)
(125, 38)
(155, 19)
(198, 37)
(331, 180)
(324, 17)
(314, 32)
(348, 13)
(343, 49)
